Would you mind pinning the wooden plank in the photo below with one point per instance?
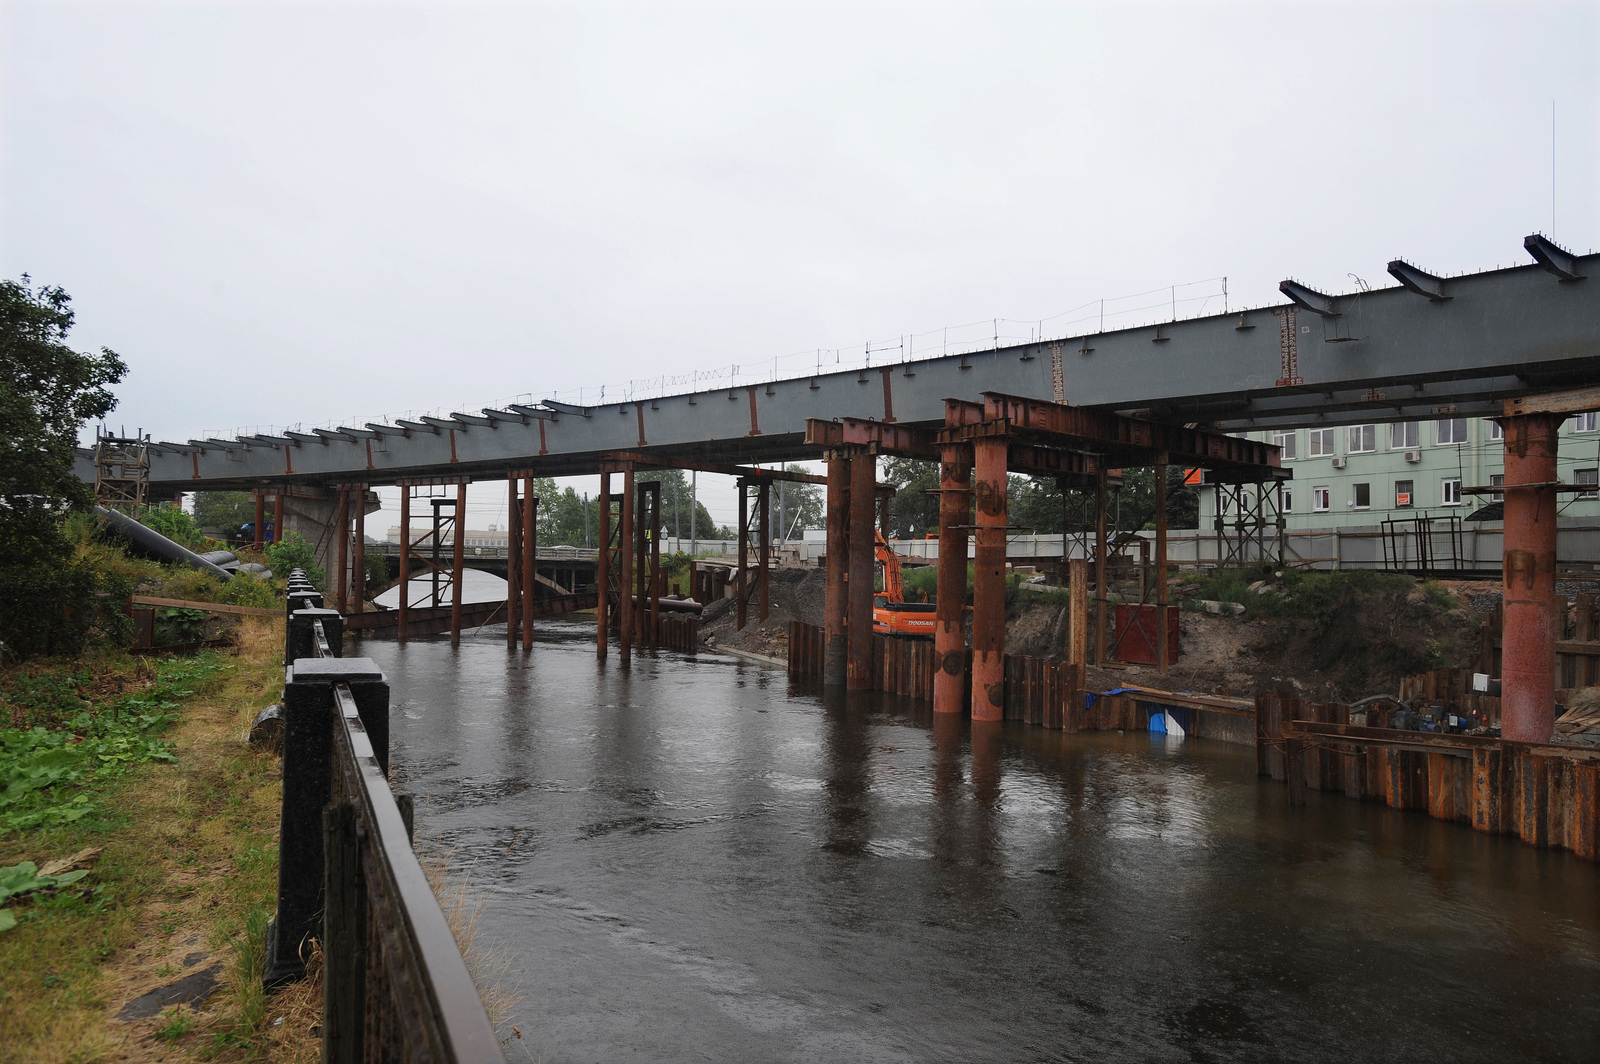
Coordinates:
(1460, 745)
(209, 607)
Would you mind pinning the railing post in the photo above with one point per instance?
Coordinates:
(302, 638)
(344, 952)
(308, 712)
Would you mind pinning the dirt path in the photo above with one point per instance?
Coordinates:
(158, 957)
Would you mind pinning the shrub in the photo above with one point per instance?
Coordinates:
(177, 526)
(293, 552)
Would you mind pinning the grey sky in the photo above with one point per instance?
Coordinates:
(284, 214)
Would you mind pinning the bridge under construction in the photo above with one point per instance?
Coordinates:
(1520, 345)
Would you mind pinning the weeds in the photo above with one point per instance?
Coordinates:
(179, 1023)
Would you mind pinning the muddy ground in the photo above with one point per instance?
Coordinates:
(1375, 641)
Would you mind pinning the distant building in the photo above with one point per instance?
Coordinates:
(1364, 474)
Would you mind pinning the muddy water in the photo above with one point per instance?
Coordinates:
(696, 861)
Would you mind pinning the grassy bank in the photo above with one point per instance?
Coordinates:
(144, 760)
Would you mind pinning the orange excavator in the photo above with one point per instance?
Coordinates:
(891, 613)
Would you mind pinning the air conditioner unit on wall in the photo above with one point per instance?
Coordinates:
(1338, 463)
(1413, 456)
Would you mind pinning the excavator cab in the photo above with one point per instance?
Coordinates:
(891, 614)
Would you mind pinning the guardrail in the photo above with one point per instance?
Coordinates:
(395, 985)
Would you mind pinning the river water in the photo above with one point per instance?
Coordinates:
(695, 860)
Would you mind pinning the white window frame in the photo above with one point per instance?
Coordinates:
(1317, 435)
(1587, 422)
(1287, 500)
(1497, 432)
(1285, 441)
(1321, 498)
(1450, 491)
(1361, 439)
(1439, 432)
(1593, 477)
(1411, 495)
(1409, 433)
(1354, 505)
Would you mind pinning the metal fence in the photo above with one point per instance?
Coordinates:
(395, 985)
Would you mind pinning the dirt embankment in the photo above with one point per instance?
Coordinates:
(1359, 641)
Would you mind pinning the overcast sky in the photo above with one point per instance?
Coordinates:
(309, 215)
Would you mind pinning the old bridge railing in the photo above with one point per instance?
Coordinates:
(395, 985)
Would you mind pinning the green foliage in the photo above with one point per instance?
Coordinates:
(47, 391)
(179, 1023)
(50, 772)
(920, 584)
(293, 552)
(912, 512)
(178, 526)
(377, 572)
(175, 626)
(225, 511)
(247, 590)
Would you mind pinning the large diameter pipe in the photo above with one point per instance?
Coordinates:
(950, 612)
(153, 542)
(837, 559)
(858, 625)
(1527, 670)
(989, 580)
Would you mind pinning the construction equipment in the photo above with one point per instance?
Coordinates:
(891, 613)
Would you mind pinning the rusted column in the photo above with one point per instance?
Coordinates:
(764, 546)
(530, 557)
(950, 616)
(513, 562)
(989, 579)
(342, 573)
(1100, 551)
(602, 610)
(1078, 619)
(744, 555)
(655, 566)
(858, 625)
(261, 517)
(625, 569)
(1528, 656)
(458, 563)
(1162, 647)
(358, 564)
(405, 561)
(835, 594)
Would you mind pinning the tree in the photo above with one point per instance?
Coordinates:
(47, 392)
(912, 511)
(225, 511)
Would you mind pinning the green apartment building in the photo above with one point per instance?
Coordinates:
(1354, 477)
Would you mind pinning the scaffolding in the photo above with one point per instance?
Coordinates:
(122, 472)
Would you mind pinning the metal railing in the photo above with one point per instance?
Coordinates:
(395, 984)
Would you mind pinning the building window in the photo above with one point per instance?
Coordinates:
(1319, 497)
(1497, 480)
(1450, 491)
(1287, 500)
(1450, 430)
(1586, 422)
(1403, 435)
(1363, 438)
(1285, 442)
(1496, 430)
(1361, 496)
(1224, 502)
(1587, 476)
(1321, 443)
(1402, 494)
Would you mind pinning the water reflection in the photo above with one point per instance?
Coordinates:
(697, 860)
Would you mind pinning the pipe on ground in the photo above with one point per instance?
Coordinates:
(153, 542)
